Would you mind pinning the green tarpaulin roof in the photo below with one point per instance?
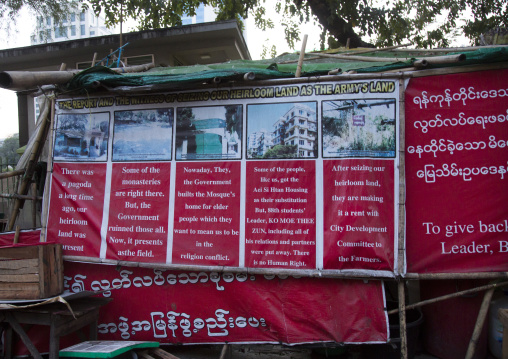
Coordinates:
(278, 68)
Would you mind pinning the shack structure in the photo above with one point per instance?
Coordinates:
(317, 228)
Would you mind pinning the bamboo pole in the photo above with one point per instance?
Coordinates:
(452, 295)
(437, 60)
(300, 59)
(16, 196)
(484, 309)
(49, 170)
(30, 168)
(224, 351)
(366, 51)
(402, 319)
(34, 205)
(362, 58)
(24, 80)
(438, 276)
(401, 263)
(12, 174)
(314, 273)
(16, 235)
(452, 49)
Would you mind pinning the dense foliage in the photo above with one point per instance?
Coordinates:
(425, 23)
(8, 149)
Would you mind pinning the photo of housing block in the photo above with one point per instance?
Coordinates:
(213, 132)
(284, 130)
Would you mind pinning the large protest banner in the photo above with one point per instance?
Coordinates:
(281, 177)
(196, 307)
(457, 173)
(231, 308)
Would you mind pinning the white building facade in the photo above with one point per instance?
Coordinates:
(78, 25)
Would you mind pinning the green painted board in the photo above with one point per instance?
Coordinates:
(104, 348)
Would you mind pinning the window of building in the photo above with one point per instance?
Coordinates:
(60, 31)
(302, 132)
(64, 20)
(82, 16)
(300, 112)
(48, 21)
(73, 17)
(82, 28)
(292, 142)
(302, 142)
(302, 153)
(301, 122)
(92, 33)
(73, 30)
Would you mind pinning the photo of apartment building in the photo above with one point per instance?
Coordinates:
(293, 134)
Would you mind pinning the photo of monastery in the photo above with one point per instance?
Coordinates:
(143, 135)
(359, 128)
(213, 132)
(82, 137)
(284, 130)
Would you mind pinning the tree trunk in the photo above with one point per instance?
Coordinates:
(335, 25)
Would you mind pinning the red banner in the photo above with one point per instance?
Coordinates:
(138, 214)
(207, 222)
(281, 214)
(456, 172)
(77, 202)
(246, 179)
(199, 307)
(359, 215)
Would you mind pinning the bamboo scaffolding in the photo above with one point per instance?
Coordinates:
(366, 51)
(24, 80)
(49, 170)
(450, 296)
(402, 319)
(438, 276)
(300, 59)
(484, 309)
(30, 168)
(18, 196)
(451, 49)
(362, 58)
(12, 174)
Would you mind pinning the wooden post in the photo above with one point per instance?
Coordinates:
(401, 219)
(16, 235)
(34, 205)
(47, 183)
(224, 351)
(302, 55)
(484, 309)
(402, 320)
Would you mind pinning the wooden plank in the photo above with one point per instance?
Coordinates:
(19, 286)
(59, 268)
(22, 252)
(28, 270)
(43, 284)
(18, 264)
(55, 268)
(163, 354)
(19, 291)
(22, 278)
